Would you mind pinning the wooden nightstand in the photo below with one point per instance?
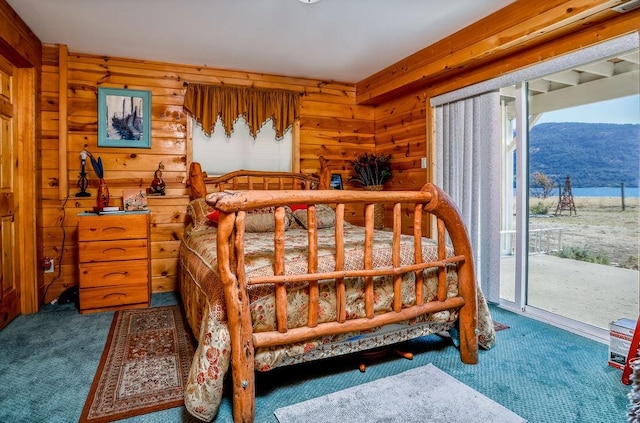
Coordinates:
(114, 255)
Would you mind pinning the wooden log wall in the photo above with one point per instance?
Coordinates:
(387, 112)
(401, 131)
(331, 125)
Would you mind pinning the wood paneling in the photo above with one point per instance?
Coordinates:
(590, 34)
(331, 125)
(17, 42)
(401, 132)
(388, 114)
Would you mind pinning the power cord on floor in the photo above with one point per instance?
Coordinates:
(64, 237)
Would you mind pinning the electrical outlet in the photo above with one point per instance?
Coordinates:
(423, 162)
(50, 268)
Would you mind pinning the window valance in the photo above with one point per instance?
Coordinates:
(206, 103)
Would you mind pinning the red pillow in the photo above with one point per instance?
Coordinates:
(295, 207)
(213, 216)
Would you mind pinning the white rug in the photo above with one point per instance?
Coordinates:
(424, 394)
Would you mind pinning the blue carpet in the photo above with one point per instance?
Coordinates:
(542, 373)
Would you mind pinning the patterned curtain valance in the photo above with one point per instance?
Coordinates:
(206, 103)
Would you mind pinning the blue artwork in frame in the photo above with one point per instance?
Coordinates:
(124, 118)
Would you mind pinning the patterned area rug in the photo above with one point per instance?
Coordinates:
(144, 365)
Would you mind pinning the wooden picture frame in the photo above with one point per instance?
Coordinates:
(124, 118)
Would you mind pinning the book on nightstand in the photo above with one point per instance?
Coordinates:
(106, 209)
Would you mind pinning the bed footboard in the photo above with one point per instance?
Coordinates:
(233, 208)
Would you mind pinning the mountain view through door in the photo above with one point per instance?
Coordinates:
(577, 260)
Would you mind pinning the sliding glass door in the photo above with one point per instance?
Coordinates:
(570, 204)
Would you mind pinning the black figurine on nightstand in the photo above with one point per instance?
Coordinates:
(157, 185)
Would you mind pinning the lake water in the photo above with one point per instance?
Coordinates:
(629, 192)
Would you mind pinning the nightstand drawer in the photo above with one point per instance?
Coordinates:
(104, 228)
(107, 274)
(113, 296)
(114, 261)
(128, 249)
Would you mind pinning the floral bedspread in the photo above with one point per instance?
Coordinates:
(203, 300)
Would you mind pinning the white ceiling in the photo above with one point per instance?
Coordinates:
(341, 40)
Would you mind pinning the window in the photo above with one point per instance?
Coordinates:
(570, 222)
(602, 77)
(218, 154)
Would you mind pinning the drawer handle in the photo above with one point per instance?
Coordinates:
(117, 294)
(113, 248)
(111, 228)
(106, 275)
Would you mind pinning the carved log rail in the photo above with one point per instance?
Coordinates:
(200, 184)
(233, 208)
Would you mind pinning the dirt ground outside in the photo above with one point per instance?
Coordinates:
(599, 229)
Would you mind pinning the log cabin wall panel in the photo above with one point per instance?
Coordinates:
(17, 42)
(52, 239)
(401, 132)
(333, 120)
(331, 125)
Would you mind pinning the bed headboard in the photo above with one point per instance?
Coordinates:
(200, 184)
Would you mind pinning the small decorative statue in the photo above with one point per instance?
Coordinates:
(157, 185)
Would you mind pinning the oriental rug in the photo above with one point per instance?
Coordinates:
(423, 394)
(144, 365)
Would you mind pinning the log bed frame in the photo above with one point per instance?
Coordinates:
(265, 189)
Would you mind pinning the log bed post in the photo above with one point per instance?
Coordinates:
(325, 174)
(196, 181)
(238, 315)
(443, 207)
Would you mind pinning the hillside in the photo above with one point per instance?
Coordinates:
(592, 154)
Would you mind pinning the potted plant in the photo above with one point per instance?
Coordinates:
(371, 170)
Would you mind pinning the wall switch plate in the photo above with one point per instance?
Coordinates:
(423, 162)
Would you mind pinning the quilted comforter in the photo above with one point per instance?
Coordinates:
(204, 304)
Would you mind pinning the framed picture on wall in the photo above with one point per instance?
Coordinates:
(124, 118)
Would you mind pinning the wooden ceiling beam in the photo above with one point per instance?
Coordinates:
(17, 42)
(520, 25)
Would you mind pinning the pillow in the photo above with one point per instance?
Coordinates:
(213, 216)
(264, 220)
(295, 207)
(260, 220)
(325, 216)
(198, 210)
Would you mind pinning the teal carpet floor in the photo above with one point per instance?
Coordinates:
(544, 374)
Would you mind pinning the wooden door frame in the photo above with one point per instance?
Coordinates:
(23, 49)
(26, 115)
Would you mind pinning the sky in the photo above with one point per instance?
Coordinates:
(621, 110)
